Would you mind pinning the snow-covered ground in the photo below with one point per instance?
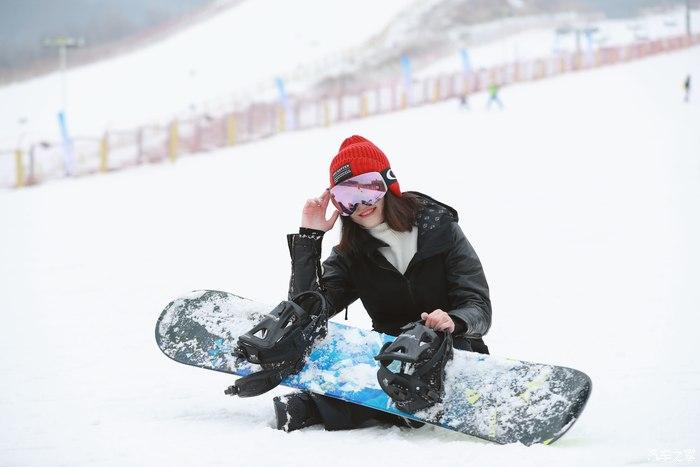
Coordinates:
(581, 199)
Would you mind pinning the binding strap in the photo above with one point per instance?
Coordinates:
(280, 343)
(426, 352)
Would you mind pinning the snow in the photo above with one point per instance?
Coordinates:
(354, 378)
(497, 378)
(581, 199)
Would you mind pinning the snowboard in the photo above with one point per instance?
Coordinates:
(497, 399)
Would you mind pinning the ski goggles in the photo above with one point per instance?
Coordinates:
(365, 189)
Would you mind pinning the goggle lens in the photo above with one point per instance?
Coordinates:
(365, 189)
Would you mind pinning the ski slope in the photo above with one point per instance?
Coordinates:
(234, 56)
(221, 58)
(581, 199)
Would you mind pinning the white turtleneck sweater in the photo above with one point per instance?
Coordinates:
(402, 245)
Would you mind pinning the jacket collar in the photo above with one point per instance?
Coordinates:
(432, 222)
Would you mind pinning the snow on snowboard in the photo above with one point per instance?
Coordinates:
(497, 399)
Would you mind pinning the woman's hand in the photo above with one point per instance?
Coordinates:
(438, 320)
(313, 215)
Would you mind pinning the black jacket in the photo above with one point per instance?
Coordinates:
(445, 273)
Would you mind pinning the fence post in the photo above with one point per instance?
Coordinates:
(173, 141)
(296, 123)
(326, 113)
(436, 90)
(31, 177)
(104, 152)
(281, 119)
(231, 130)
(19, 163)
(364, 107)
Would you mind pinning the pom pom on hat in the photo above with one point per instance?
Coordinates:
(358, 155)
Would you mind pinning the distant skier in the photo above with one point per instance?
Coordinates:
(494, 89)
(464, 101)
(401, 253)
(686, 87)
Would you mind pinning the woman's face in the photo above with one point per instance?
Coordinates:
(369, 216)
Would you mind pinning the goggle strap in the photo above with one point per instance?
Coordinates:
(388, 176)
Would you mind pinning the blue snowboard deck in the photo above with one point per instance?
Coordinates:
(497, 399)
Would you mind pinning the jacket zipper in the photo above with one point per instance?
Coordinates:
(410, 292)
(408, 282)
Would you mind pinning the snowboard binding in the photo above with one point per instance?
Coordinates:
(280, 343)
(420, 355)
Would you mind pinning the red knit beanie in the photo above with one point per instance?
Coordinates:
(358, 155)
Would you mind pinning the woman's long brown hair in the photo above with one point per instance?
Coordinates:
(399, 213)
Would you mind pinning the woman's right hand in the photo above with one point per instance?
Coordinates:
(314, 214)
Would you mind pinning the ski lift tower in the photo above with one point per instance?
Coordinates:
(63, 43)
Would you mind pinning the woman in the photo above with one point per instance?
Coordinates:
(402, 254)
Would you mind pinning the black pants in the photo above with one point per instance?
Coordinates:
(341, 415)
